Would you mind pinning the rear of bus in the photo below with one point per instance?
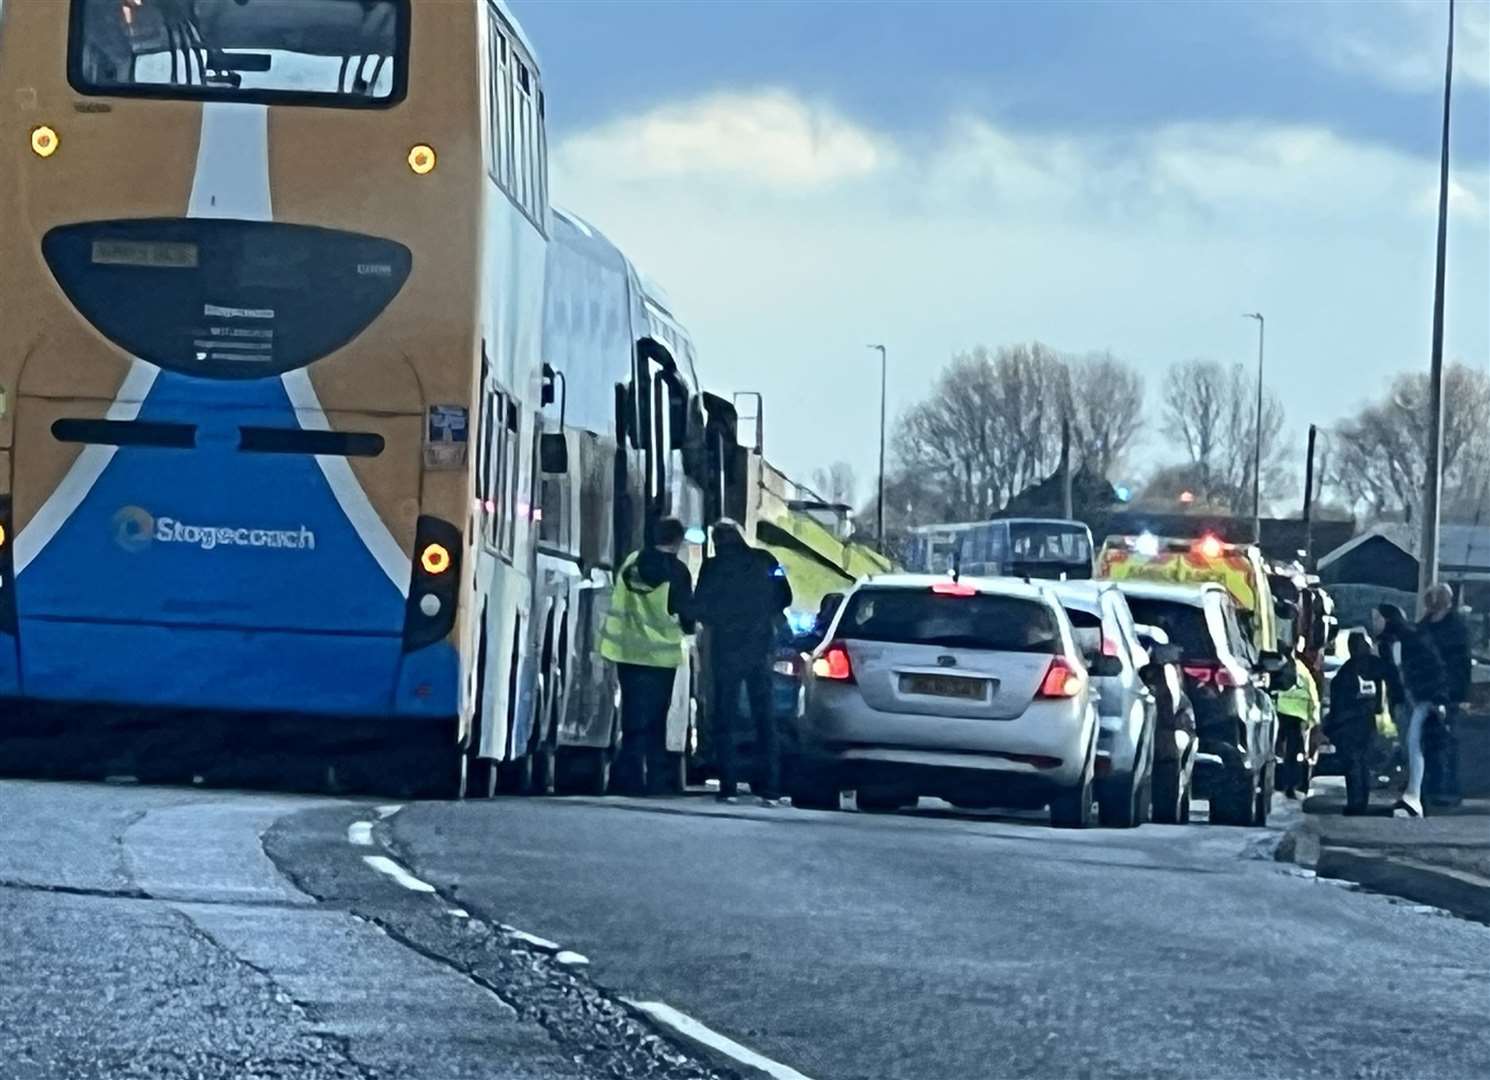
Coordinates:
(239, 342)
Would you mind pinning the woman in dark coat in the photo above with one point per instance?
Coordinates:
(1417, 685)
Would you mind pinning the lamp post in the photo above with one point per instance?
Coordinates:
(879, 508)
(1257, 437)
(1433, 487)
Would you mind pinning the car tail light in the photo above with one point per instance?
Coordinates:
(1109, 647)
(953, 588)
(834, 664)
(1217, 675)
(1061, 680)
(785, 667)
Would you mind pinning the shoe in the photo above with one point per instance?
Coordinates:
(1409, 804)
(1290, 794)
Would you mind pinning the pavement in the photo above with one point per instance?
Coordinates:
(187, 933)
(1442, 859)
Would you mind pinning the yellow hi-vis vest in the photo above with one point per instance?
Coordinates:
(639, 629)
(1301, 700)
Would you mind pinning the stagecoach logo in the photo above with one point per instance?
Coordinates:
(135, 529)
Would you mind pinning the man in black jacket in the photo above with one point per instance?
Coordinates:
(1357, 698)
(742, 591)
(1445, 627)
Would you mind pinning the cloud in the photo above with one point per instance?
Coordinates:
(1398, 43)
(768, 137)
(1150, 243)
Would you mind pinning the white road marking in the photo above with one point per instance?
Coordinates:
(690, 1028)
(384, 865)
(458, 913)
(573, 959)
(532, 939)
(360, 833)
(386, 812)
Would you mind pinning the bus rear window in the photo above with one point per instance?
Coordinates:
(348, 53)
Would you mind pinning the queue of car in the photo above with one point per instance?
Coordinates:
(1111, 701)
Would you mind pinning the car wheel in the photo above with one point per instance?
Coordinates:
(810, 789)
(1072, 807)
(1264, 803)
(1235, 802)
(1187, 796)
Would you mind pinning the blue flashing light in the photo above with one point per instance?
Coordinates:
(1123, 492)
(695, 535)
(800, 621)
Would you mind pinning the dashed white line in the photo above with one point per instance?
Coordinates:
(690, 1028)
(385, 812)
(458, 913)
(360, 833)
(571, 959)
(532, 939)
(384, 865)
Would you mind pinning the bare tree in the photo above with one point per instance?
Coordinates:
(1378, 457)
(1211, 410)
(1106, 410)
(837, 483)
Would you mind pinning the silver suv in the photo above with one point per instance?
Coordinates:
(971, 690)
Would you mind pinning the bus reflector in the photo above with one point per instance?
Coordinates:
(44, 141)
(435, 559)
(3, 536)
(422, 160)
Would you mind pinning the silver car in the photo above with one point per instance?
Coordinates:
(1108, 638)
(971, 690)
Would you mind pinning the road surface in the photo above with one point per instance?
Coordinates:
(189, 933)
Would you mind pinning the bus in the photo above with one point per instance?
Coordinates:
(272, 375)
(1051, 548)
(628, 439)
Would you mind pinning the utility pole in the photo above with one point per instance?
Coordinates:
(1433, 485)
(1068, 509)
(1257, 438)
(1309, 501)
(879, 507)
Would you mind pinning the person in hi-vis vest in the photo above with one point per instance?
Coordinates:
(650, 612)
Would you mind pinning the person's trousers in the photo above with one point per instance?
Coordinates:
(756, 679)
(1357, 763)
(1292, 752)
(646, 696)
(1416, 724)
(1441, 757)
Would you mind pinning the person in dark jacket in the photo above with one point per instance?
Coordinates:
(1357, 698)
(1446, 628)
(650, 612)
(1415, 684)
(742, 593)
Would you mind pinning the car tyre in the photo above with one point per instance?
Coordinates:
(1169, 793)
(1264, 804)
(1235, 802)
(1071, 808)
(810, 789)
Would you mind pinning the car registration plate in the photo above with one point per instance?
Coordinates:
(947, 686)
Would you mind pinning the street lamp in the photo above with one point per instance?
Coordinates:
(1257, 440)
(879, 509)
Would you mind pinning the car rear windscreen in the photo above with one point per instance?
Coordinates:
(981, 621)
(1186, 625)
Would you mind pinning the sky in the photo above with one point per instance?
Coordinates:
(806, 178)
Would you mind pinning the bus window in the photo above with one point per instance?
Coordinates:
(510, 468)
(499, 103)
(349, 53)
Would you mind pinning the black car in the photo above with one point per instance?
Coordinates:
(1226, 683)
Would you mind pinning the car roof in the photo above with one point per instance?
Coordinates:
(1160, 590)
(1084, 594)
(993, 586)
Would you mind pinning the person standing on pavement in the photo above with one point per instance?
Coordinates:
(649, 614)
(1446, 628)
(1416, 685)
(742, 593)
(1357, 698)
(1298, 714)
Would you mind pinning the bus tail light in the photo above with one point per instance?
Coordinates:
(429, 615)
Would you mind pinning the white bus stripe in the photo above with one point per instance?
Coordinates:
(349, 494)
(232, 178)
(85, 471)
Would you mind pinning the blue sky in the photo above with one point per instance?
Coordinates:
(805, 177)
